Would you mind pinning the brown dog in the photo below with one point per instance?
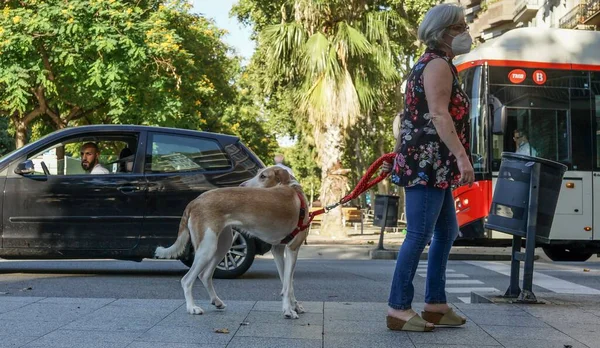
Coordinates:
(267, 206)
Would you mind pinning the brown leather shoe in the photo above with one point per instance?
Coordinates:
(449, 318)
(416, 323)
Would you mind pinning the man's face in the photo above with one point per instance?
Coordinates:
(518, 138)
(89, 158)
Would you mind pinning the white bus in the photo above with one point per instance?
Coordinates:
(546, 83)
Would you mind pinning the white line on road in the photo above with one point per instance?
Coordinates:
(424, 269)
(556, 285)
(463, 281)
(465, 299)
(451, 275)
(469, 290)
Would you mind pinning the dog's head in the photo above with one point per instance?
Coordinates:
(269, 177)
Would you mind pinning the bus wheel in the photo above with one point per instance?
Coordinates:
(566, 253)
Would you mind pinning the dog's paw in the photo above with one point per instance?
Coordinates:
(196, 310)
(290, 315)
(299, 309)
(219, 304)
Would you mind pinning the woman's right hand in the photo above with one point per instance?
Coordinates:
(467, 174)
(386, 167)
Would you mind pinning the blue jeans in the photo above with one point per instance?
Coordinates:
(429, 212)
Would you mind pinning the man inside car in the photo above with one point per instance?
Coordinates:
(89, 159)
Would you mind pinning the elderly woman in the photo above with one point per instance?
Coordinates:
(432, 156)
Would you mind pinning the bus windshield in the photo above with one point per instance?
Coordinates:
(550, 118)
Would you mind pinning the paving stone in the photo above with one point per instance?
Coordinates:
(275, 306)
(541, 333)
(101, 323)
(142, 344)
(27, 327)
(490, 319)
(15, 340)
(77, 338)
(357, 327)
(525, 343)
(204, 334)
(393, 339)
(63, 313)
(269, 317)
(469, 334)
(269, 342)
(352, 314)
(281, 330)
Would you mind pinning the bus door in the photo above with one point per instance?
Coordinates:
(596, 106)
(547, 133)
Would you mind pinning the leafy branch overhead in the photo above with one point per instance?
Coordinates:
(96, 61)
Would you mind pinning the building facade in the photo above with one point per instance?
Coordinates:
(491, 18)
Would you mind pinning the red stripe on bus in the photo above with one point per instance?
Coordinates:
(524, 64)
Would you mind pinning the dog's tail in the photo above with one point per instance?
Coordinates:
(178, 247)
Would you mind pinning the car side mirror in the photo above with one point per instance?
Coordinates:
(25, 168)
(498, 112)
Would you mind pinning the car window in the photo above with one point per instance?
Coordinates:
(115, 156)
(167, 153)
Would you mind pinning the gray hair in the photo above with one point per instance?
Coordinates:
(437, 19)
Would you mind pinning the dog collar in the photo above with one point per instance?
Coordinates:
(299, 227)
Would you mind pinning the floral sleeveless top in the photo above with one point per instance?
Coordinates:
(422, 158)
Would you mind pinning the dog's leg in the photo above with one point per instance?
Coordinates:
(293, 257)
(204, 253)
(223, 246)
(277, 250)
(288, 308)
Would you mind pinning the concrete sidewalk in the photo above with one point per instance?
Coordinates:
(147, 323)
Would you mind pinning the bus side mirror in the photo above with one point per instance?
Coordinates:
(498, 112)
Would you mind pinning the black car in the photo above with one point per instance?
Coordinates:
(51, 208)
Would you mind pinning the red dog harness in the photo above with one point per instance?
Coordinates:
(363, 185)
(299, 227)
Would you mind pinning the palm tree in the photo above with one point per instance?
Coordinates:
(338, 58)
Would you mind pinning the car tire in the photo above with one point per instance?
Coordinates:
(566, 253)
(236, 262)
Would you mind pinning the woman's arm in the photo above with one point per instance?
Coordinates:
(437, 81)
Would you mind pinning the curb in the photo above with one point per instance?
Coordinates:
(393, 255)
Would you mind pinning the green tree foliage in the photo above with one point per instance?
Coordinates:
(7, 143)
(340, 64)
(112, 61)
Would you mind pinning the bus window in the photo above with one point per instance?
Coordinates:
(472, 83)
(581, 130)
(596, 105)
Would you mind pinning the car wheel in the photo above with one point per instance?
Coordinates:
(565, 253)
(237, 260)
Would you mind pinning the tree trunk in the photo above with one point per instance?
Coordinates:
(20, 133)
(333, 180)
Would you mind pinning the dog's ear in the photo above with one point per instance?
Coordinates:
(282, 175)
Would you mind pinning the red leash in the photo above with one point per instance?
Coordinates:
(363, 185)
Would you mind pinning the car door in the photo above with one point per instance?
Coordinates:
(179, 167)
(63, 208)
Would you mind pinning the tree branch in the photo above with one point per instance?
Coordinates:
(46, 60)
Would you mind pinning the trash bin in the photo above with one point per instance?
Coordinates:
(509, 209)
(391, 218)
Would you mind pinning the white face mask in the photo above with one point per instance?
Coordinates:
(461, 43)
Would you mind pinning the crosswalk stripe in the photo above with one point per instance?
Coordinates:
(465, 299)
(556, 285)
(469, 290)
(463, 281)
(451, 275)
(424, 269)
